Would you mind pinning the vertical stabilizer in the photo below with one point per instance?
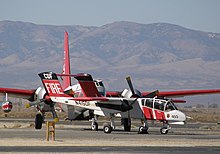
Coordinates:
(66, 65)
(52, 84)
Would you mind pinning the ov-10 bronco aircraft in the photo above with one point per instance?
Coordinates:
(144, 108)
(37, 96)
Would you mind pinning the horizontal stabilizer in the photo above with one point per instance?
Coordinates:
(88, 85)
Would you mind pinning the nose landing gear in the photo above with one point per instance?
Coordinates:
(165, 129)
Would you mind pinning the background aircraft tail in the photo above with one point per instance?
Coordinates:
(66, 65)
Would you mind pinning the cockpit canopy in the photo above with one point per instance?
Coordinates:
(100, 86)
(159, 104)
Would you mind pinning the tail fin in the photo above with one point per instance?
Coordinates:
(66, 65)
(51, 84)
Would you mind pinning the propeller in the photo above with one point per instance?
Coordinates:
(128, 78)
(152, 94)
(135, 92)
(42, 100)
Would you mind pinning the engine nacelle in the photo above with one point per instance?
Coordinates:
(39, 100)
(39, 93)
(128, 94)
(7, 106)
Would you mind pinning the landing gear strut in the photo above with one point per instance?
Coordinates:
(94, 125)
(127, 124)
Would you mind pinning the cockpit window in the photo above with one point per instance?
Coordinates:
(101, 84)
(147, 102)
(159, 104)
(170, 106)
(96, 83)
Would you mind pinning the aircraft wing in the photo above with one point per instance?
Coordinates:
(18, 93)
(172, 94)
(175, 94)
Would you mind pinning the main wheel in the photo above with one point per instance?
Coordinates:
(95, 126)
(163, 130)
(127, 124)
(143, 130)
(38, 121)
(107, 128)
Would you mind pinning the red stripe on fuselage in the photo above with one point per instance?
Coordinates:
(149, 115)
(159, 115)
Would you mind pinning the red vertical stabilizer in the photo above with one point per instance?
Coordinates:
(66, 65)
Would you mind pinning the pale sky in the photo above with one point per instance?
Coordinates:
(194, 14)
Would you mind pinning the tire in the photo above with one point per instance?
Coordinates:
(107, 128)
(38, 121)
(163, 130)
(94, 126)
(142, 130)
(127, 124)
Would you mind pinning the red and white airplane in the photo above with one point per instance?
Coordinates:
(38, 96)
(129, 105)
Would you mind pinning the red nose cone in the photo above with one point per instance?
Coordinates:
(7, 106)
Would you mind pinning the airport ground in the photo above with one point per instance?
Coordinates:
(200, 135)
(19, 136)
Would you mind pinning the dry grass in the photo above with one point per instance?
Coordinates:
(27, 113)
(203, 115)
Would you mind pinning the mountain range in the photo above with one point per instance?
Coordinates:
(157, 56)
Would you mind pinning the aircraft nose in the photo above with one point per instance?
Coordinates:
(182, 116)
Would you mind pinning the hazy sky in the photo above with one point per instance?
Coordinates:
(194, 14)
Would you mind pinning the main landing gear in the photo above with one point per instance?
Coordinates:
(107, 128)
(39, 119)
(94, 125)
(127, 124)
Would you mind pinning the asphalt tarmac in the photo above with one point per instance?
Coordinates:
(19, 136)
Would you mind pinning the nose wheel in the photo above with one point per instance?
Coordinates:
(165, 129)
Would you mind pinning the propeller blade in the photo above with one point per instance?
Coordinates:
(152, 94)
(34, 103)
(130, 84)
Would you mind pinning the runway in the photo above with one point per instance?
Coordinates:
(20, 136)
